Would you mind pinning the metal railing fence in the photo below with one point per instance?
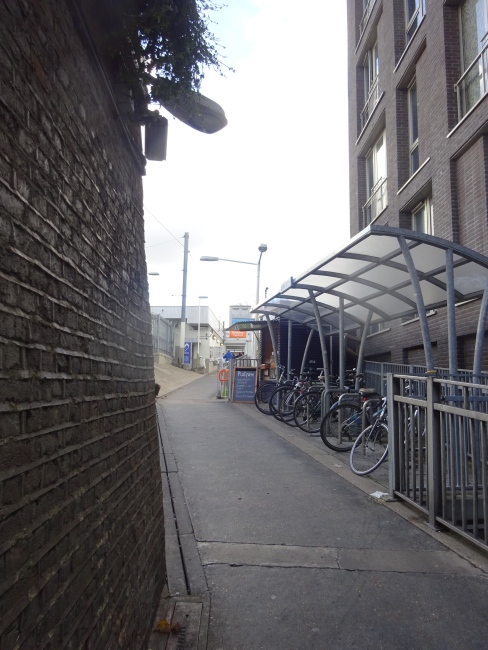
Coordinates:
(438, 451)
(376, 374)
(473, 84)
(163, 334)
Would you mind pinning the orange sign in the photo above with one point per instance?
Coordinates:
(234, 334)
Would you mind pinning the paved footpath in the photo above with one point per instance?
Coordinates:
(273, 544)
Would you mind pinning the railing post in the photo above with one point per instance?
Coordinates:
(393, 388)
(432, 434)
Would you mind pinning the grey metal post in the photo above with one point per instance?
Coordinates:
(424, 326)
(290, 337)
(183, 297)
(364, 336)
(480, 335)
(331, 339)
(273, 340)
(342, 351)
(432, 433)
(325, 360)
(451, 315)
(305, 352)
(393, 387)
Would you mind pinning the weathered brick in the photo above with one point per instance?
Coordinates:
(73, 236)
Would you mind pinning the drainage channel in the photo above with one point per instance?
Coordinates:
(175, 520)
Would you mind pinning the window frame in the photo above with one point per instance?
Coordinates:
(427, 205)
(371, 69)
(376, 185)
(481, 43)
(413, 129)
(415, 20)
(371, 63)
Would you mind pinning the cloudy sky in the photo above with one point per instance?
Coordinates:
(277, 174)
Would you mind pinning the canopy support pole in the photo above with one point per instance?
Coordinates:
(290, 338)
(424, 326)
(342, 350)
(305, 352)
(325, 360)
(364, 336)
(273, 343)
(480, 336)
(451, 314)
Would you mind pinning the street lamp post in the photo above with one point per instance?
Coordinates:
(198, 335)
(262, 249)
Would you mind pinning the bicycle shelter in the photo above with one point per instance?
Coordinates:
(381, 275)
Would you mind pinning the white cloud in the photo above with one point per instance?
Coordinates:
(276, 174)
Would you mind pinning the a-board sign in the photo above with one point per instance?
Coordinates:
(244, 384)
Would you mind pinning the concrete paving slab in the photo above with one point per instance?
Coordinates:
(279, 555)
(367, 559)
(268, 555)
(256, 608)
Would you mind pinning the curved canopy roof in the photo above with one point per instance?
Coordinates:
(371, 273)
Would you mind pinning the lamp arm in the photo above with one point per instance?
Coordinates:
(222, 259)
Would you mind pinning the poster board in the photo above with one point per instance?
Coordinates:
(244, 383)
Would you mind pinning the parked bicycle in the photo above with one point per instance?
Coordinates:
(343, 422)
(308, 407)
(283, 399)
(266, 389)
(370, 448)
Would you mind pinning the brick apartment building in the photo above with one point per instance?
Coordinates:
(418, 133)
(81, 528)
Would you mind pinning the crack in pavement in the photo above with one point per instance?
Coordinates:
(348, 559)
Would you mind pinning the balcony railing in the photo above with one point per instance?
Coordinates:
(373, 98)
(367, 13)
(376, 203)
(473, 85)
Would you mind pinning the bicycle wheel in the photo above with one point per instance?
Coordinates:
(307, 413)
(276, 397)
(286, 406)
(262, 396)
(370, 449)
(341, 425)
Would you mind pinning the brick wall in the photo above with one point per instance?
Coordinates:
(81, 530)
(453, 154)
(471, 192)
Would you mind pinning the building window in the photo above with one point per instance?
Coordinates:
(376, 328)
(367, 10)
(473, 83)
(413, 128)
(376, 189)
(423, 217)
(371, 92)
(414, 12)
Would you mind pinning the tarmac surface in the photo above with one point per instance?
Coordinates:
(273, 544)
